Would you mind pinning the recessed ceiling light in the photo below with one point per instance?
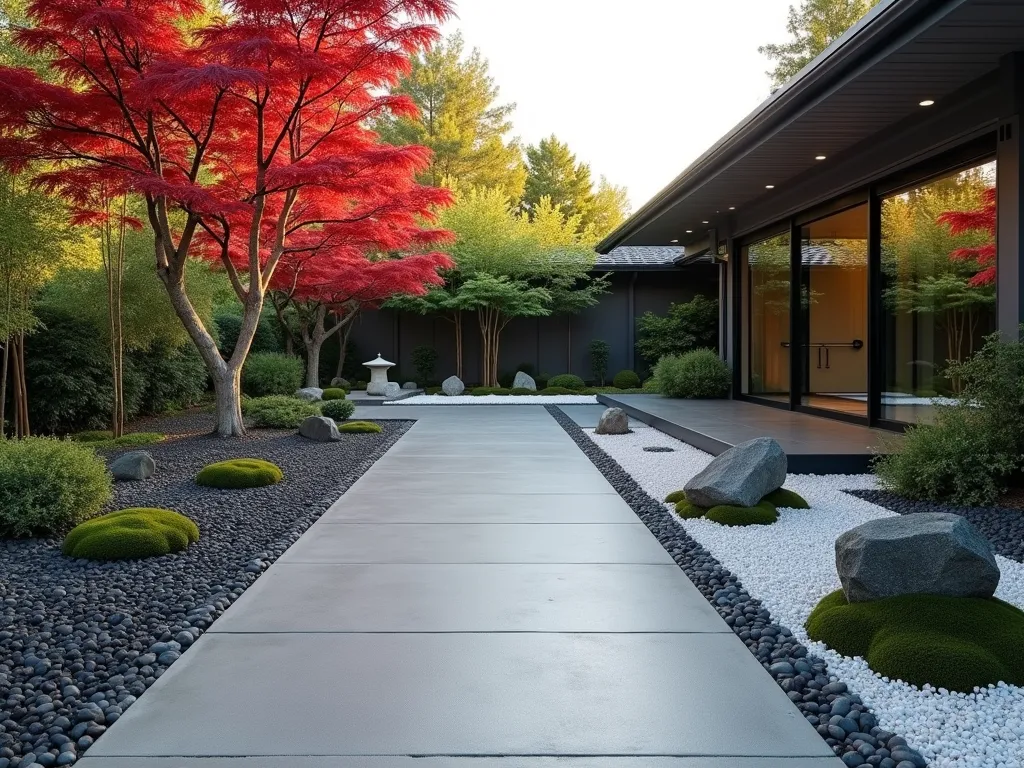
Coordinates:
(689, 231)
(927, 102)
(769, 186)
(673, 241)
(819, 157)
(705, 222)
(732, 207)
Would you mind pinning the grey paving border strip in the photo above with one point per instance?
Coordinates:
(813, 691)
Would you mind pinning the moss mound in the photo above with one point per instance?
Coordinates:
(787, 499)
(687, 510)
(957, 643)
(130, 534)
(334, 393)
(675, 497)
(239, 473)
(360, 428)
(763, 513)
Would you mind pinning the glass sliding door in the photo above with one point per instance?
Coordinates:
(938, 300)
(767, 283)
(834, 312)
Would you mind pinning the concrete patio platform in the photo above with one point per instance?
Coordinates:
(814, 444)
(498, 612)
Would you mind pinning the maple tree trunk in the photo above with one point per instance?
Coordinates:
(313, 362)
(342, 349)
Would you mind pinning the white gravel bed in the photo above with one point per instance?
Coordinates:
(790, 566)
(497, 400)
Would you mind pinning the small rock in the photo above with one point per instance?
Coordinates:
(453, 386)
(409, 385)
(392, 390)
(658, 449)
(319, 428)
(524, 381)
(310, 394)
(134, 465)
(337, 381)
(614, 421)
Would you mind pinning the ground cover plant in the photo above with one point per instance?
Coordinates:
(130, 534)
(103, 439)
(48, 486)
(957, 643)
(240, 473)
(280, 411)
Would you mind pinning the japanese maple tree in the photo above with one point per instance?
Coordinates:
(983, 220)
(246, 134)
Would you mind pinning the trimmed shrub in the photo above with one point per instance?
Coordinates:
(334, 393)
(786, 499)
(339, 410)
(279, 411)
(48, 486)
(599, 351)
(424, 360)
(626, 380)
(697, 374)
(360, 428)
(131, 534)
(566, 381)
(270, 373)
(687, 510)
(763, 513)
(949, 642)
(239, 473)
(541, 379)
(675, 497)
(558, 391)
(481, 391)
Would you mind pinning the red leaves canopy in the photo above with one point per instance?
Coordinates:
(979, 220)
(252, 127)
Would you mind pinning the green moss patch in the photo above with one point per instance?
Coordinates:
(787, 499)
(360, 428)
(240, 473)
(957, 643)
(130, 534)
(675, 497)
(334, 393)
(687, 510)
(763, 513)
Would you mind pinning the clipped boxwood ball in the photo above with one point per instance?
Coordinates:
(786, 499)
(675, 497)
(239, 473)
(763, 513)
(360, 427)
(130, 534)
(339, 410)
(687, 510)
(334, 393)
(957, 643)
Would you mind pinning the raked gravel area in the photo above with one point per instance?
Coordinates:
(81, 640)
(496, 400)
(790, 566)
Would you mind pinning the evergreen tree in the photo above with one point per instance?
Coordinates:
(459, 121)
(552, 171)
(813, 26)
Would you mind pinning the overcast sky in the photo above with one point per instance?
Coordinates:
(639, 88)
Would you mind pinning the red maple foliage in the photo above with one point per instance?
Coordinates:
(981, 219)
(246, 134)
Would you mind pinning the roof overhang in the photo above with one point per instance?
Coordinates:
(874, 76)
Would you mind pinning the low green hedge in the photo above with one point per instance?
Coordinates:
(360, 428)
(558, 391)
(130, 534)
(103, 438)
(334, 393)
(522, 391)
(339, 410)
(278, 411)
(482, 391)
(48, 486)
(956, 643)
(626, 380)
(239, 473)
(566, 381)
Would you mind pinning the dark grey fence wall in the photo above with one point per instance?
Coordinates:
(551, 345)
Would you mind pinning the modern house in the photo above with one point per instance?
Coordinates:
(867, 215)
(642, 279)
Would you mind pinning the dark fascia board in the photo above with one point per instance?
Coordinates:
(878, 29)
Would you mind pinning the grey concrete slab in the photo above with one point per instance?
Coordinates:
(405, 761)
(464, 694)
(471, 598)
(588, 416)
(476, 543)
(370, 505)
(519, 465)
(421, 486)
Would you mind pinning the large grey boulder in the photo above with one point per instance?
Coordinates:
(337, 381)
(134, 465)
(392, 390)
(409, 385)
(310, 394)
(613, 421)
(931, 553)
(453, 386)
(741, 476)
(319, 428)
(524, 381)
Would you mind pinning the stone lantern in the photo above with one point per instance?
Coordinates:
(378, 375)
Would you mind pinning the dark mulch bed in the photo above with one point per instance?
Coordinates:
(81, 640)
(1003, 526)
